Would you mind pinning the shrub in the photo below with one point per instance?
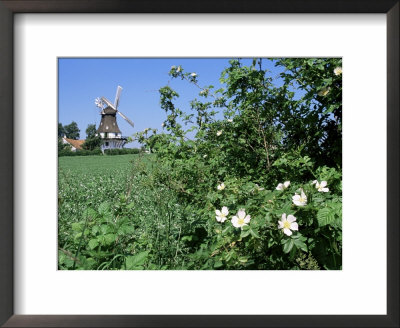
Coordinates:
(268, 135)
(122, 151)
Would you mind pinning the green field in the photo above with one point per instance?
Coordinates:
(112, 216)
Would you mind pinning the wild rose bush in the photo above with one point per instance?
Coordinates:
(256, 165)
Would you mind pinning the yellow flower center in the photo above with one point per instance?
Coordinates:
(286, 224)
(241, 221)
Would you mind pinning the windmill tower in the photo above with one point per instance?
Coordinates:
(108, 128)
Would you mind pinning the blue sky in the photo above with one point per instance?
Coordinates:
(81, 80)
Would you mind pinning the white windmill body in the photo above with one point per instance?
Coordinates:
(108, 129)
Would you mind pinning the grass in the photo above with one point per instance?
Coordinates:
(130, 214)
(96, 164)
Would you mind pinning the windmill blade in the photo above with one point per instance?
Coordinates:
(117, 95)
(98, 103)
(108, 102)
(126, 119)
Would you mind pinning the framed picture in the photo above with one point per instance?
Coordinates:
(37, 285)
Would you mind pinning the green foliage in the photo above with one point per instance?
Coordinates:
(71, 130)
(66, 151)
(79, 152)
(112, 217)
(122, 151)
(307, 262)
(137, 261)
(92, 143)
(230, 149)
(91, 130)
(61, 130)
(318, 111)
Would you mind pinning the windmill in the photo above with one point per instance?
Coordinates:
(108, 128)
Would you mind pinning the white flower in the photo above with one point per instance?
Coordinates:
(282, 186)
(162, 124)
(205, 156)
(337, 71)
(324, 92)
(321, 186)
(193, 74)
(288, 224)
(178, 69)
(221, 215)
(221, 186)
(300, 200)
(230, 120)
(219, 133)
(240, 219)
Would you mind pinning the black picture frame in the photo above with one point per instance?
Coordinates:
(10, 7)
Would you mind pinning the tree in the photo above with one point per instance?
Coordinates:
(318, 111)
(72, 130)
(92, 141)
(61, 130)
(91, 131)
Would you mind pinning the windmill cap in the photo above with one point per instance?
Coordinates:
(108, 110)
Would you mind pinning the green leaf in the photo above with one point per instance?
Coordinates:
(254, 233)
(78, 235)
(287, 247)
(95, 230)
(109, 239)
(244, 234)
(187, 238)
(104, 228)
(243, 259)
(286, 208)
(218, 264)
(89, 212)
(104, 208)
(133, 262)
(318, 199)
(245, 228)
(301, 245)
(76, 226)
(93, 243)
(126, 229)
(229, 256)
(325, 216)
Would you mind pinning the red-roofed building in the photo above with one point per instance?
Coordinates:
(75, 144)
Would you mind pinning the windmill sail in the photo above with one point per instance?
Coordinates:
(117, 95)
(126, 119)
(105, 100)
(98, 103)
